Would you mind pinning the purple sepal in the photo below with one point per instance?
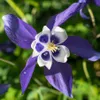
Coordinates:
(83, 15)
(60, 77)
(3, 88)
(27, 72)
(97, 2)
(60, 18)
(18, 31)
(81, 47)
(82, 1)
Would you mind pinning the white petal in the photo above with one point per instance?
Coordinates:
(37, 36)
(45, 63)
(33, 44)
(63, 54)
(35, 52)
(45, 30)
(60, 33)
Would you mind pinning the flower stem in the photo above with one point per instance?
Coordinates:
(85, 70)
(92, 20)
(16, 8)
(38, 82)
(43, 88)
(7, 61)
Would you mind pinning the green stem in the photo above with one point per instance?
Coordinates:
(7, 61)
(16, 8)
(37, 81)
(92, 20)
(43, 88)
(85, 70)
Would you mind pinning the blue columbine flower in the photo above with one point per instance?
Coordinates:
(3, 88)
(51, 48)
(84, 3)
(47, 46)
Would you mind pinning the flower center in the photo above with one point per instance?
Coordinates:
(52, 47)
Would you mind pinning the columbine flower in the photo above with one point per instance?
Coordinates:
(3, 88)
(51, 48)
(84, 3)
(47, 46)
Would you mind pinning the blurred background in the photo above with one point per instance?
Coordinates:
(86, 75)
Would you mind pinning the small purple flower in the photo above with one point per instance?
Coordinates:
(3, 88)
(84, 3)
(51, 48)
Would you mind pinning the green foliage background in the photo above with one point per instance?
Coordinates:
(86, 75)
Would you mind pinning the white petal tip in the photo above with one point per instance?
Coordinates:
(35, 54)
(45, 29)
(65, 60)
(49, 65)
(58, 29)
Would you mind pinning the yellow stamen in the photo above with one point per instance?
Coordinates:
(52, 47)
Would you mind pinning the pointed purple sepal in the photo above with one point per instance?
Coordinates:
(60, 18)
(83, 15)
(27, 72)
(18, 31)
(81, 47)
(60, 77)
